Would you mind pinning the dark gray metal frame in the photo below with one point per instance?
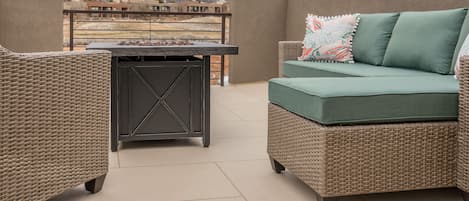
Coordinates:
(189, 130)
(148, 57)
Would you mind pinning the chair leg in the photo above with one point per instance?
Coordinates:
(465, 195)
(276, 166)
(95, 185)
(320, 198)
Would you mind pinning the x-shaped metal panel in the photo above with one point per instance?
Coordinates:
(161, 100)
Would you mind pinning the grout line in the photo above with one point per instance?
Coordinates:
(118, 160)
(242, 160)
(235, 114)
(168, 164)
(192, 163)
(239, 137)
(214, 198)
(232, 183)
(241, 120)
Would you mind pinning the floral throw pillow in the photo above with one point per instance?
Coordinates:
(329, 39)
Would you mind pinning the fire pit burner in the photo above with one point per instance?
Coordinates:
(156, 43)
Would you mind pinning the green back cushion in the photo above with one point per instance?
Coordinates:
(462, 37)
(372, 37)
(425, 40)
(319, 69)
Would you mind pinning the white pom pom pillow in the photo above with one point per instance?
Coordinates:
(329, 39)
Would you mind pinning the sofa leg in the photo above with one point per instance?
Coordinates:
(276, 166)
(465, 195)
(95, 185)
(320, 198)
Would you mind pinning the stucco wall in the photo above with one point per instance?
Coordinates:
(298, 9)
(31, 25)
(256, 26)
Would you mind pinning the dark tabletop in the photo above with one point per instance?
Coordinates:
(197, 48)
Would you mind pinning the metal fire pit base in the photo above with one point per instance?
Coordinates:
(161, 92)
(161, 98)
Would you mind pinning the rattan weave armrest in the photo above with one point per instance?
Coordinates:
(38, 55)
(462, 176)
(55, 121)
(288, 50)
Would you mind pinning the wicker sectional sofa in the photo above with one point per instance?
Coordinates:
(393, 121)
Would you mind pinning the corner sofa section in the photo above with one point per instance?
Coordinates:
(381, 124)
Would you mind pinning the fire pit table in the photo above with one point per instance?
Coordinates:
(160, 90)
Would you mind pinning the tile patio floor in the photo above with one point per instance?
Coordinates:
(234, 168)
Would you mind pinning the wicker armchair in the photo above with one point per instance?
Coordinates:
(55, 122)
(403, 160)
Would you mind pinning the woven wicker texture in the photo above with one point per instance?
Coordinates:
(463, 134)
(55, 122)
(351, 160)
(288, 50)
(3, 51)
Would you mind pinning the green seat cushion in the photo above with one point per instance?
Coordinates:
(425, 40)
(372, 37)
(364, 100)
(462, 37)
(317, 69)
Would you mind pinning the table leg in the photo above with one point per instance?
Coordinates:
(114, 104)
(206, 101)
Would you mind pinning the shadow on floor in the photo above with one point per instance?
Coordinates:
(189, 142)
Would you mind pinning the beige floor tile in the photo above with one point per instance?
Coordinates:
(222, 199)
(256, 90)
(219, 112)
(250, 111)
(191, 151)
(260, 86)
(113, 160)
(238, 129)
(427, 195)
(164, 183)
(259, 95)
(257, 182)
(230, 96)
(240, 93)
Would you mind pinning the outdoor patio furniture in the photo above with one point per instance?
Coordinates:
(161, 90)
(363, 128)
(55, 122)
